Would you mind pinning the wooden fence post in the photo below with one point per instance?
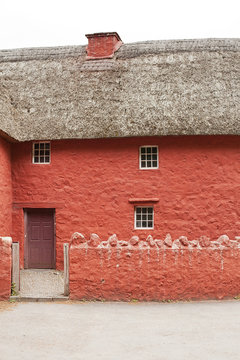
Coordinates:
(15, 266)
(66, 268)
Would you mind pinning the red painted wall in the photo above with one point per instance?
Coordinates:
(89, 182)
(5, 267)
(5, 188)
(153, 270)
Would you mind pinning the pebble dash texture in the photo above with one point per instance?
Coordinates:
(5, 267)
(153, 269)
(181, 87)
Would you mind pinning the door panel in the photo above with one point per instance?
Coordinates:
(40, 249)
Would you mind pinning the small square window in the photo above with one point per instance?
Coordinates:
(143, 217)
(148, 157)
(41, 153)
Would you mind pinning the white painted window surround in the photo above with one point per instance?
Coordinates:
(144, 217)
(41, 152)
(148, 157)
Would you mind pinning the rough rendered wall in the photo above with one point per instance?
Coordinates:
(90, 182)
(5, 267)
(154, 269)
(5, 189)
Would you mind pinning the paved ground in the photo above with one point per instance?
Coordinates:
(41, 283)
(121, 331)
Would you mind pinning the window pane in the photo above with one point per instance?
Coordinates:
(149, 154)
(144, 217)
(41, 152)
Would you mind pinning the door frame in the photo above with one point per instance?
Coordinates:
(25, 248)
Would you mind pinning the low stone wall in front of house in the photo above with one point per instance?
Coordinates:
(5, 267)
(154, 269)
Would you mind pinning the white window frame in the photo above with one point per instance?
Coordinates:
(148, 168)
(135, 217)
(41, 142)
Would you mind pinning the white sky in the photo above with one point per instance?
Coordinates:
(30, 23)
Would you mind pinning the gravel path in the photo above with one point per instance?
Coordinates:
(41, 283)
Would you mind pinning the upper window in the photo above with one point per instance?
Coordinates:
(41, 152)
(143, 217)
(148, 157)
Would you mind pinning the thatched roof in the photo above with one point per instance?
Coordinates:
(150, 88)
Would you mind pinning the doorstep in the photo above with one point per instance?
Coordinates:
(38, 299)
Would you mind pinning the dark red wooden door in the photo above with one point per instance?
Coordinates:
(40, 239)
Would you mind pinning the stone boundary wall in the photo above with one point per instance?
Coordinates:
(5, 267)
(154, 269)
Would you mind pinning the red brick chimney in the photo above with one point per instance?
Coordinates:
(102, 45)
